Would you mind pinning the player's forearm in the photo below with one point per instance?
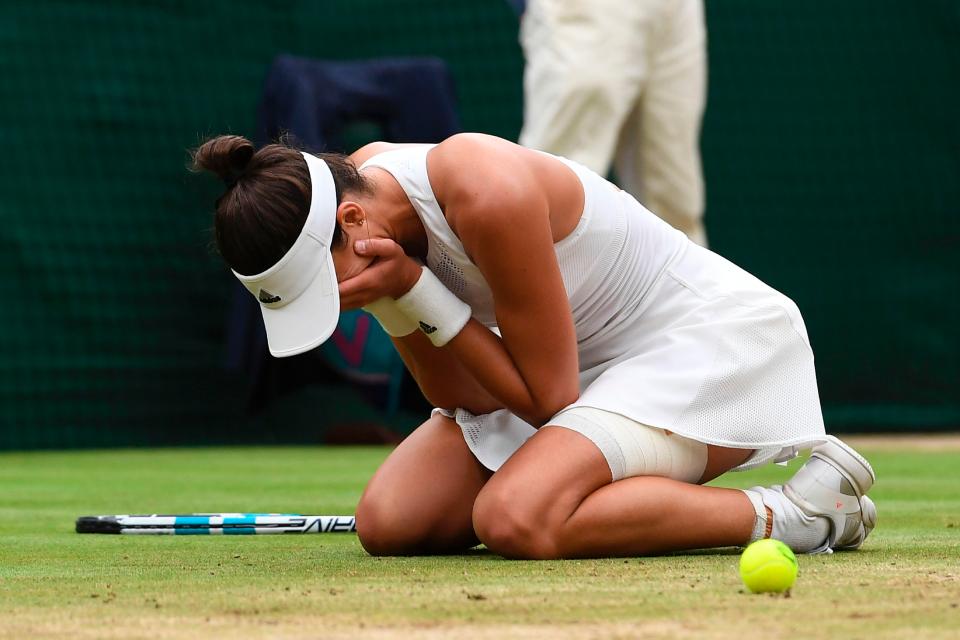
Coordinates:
(472, 372)
(442, 378)
(483, 354)
(480, 361)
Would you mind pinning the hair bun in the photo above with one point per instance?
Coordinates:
(226, 156)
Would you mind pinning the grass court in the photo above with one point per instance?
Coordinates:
(54, 583)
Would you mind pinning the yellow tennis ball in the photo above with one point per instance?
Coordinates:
(768, 565)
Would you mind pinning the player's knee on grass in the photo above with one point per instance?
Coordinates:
(392, 525)
(386, 530)
(510, 529)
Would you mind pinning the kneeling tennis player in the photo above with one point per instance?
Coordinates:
(590, 367)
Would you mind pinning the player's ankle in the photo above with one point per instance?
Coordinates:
(782, 519)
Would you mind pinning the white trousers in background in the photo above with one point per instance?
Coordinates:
(622, 83)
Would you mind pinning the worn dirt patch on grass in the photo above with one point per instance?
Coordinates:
(168, 628)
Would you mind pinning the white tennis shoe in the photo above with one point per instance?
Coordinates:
(833, 483)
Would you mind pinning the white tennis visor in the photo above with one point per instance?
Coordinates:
(298, 296)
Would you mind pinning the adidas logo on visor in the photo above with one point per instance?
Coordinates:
(266, 297)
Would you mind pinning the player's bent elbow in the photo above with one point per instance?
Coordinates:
(439, 393)
(550, 406)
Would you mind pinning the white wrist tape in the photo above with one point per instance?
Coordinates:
(395, 322)
(440, 314)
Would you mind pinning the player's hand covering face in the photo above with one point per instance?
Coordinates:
(371, 269)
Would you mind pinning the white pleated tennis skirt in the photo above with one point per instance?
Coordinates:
(712, 354)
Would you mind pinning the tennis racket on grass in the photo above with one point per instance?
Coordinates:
(216, 524)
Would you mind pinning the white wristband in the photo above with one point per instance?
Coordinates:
(395, 322)
(440, 314)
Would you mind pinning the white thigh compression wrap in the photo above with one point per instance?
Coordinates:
(634, 449)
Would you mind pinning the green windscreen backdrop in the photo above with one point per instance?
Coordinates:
(831, 154)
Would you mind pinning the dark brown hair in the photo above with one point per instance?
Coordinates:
(267, 200)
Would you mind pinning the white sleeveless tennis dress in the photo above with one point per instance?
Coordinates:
(669, 334)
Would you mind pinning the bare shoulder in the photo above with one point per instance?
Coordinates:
(459, 158)
(367, 151)
(473, 174)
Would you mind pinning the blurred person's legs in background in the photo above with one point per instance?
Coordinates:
(658, 158)
(613, 81)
